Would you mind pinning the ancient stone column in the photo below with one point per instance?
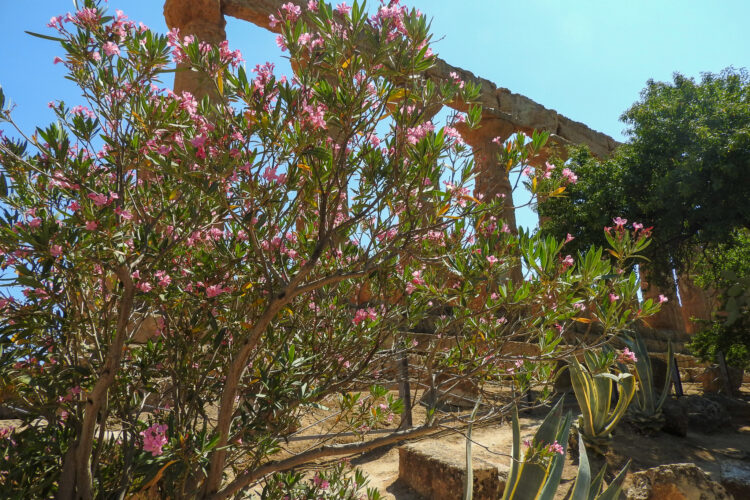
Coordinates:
(204, 20)
(670, 315)
(492, 178)
(696, 303)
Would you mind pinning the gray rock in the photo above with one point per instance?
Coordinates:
(735, 477)
(704, 415)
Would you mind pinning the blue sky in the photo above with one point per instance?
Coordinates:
(588, 59)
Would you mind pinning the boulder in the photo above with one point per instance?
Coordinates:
(676, 420)
(675, 482)
(735, 477)
(704, 415)
(438, 473)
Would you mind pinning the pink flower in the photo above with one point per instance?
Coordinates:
(343, 9)
(99, 199)
(320, 482)
(569, 238)
(637, 227)
(492, 259)
(280, 42)
(55, 250)
(144, 286)
(91, 225)
(613, 297)
(198, 141)
(567, 262)
(214, 290)
(627, 356)
(619, 222)
(124, 213)
(312, 5)
(569, 176)
(363, 314)
(163, 277)
(556, 448)
(57, 60)
(111, 49)
(292, 11)
(35, 222)
(663, 299)
(154, 438)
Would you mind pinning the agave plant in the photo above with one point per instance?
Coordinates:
(593, 386)
(646, 412)
(538, 474)
(586, 489)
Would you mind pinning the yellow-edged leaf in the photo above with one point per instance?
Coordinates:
(472, 199)
(346, 63)
(220, 82)
(614, 254)
(582, 320)
(304, 167)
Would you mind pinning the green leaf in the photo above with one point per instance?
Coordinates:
(45, 37)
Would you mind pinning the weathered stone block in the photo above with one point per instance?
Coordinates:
(437, 473)
(713, 379)
(675, 482)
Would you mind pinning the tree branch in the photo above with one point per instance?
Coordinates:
(320, 452)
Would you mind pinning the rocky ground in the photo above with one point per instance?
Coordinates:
(719, 444)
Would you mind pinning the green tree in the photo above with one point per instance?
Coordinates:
(185, 282)
(683, 171)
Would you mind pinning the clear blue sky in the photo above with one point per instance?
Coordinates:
(588, 59)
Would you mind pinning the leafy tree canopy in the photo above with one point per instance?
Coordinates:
(683, 171)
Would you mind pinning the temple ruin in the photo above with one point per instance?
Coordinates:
(503, 114)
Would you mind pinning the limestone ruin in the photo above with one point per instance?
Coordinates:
(504, 113)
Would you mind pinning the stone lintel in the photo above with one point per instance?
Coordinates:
(519, 113)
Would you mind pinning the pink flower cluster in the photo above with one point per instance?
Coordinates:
(556, 448)
(567, 262)
(363, 314)
(627, 356)
(154, 438)
(415, 134)
(569, 176)
(415, 281)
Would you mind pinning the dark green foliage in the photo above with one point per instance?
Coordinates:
(683, 171)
